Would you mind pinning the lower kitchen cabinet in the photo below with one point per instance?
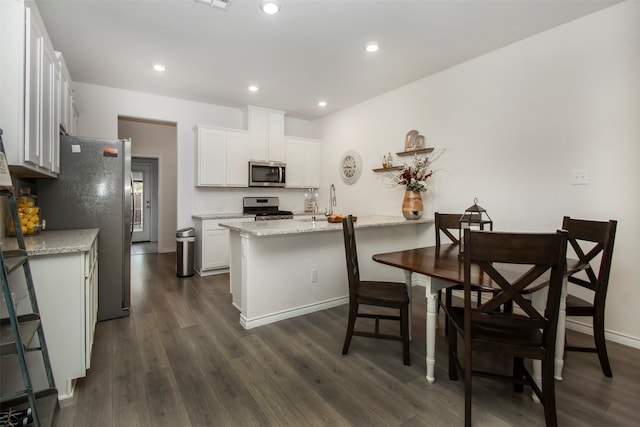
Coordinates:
(66, 286)
(212, 246)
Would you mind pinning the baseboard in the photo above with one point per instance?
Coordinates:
(287, 314)
(204, 273)
(609, 335)
(574, 325)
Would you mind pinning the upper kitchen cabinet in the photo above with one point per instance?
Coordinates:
(30, 84)
(222, 157)
(303, 162)
(266, 133)
(67, 113)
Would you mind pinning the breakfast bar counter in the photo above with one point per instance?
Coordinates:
(285, 268)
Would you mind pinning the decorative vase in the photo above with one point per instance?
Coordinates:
(412, 206)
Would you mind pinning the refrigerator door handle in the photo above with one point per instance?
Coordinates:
(132, 210)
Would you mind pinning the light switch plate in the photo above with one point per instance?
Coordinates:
(579, 176)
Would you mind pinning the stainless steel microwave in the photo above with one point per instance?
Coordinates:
(267, 174)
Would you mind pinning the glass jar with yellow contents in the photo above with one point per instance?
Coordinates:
(28, 213)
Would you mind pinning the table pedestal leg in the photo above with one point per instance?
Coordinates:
(432, 313)
(560, 333)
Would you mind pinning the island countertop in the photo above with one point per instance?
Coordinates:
(54, 242)
(306, 225)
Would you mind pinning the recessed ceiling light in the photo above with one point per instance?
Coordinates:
(372, 47)
(253, 88)
(270, 7)
(322, 103)
(158, 67)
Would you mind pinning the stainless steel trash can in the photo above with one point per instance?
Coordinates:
(185, 240)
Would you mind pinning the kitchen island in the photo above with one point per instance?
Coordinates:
(64, 267)
(286, 268)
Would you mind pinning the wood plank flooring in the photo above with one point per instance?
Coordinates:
(182, 359)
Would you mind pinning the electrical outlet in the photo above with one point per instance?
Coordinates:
(579, 176)
(314, 276)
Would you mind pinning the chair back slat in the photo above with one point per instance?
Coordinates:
(444, 223)
(600, 235)
(514, 261)
(351, 253)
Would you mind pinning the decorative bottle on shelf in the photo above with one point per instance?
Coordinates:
(389, 160)
(311, 201)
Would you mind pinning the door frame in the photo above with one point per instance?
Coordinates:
(150, 164)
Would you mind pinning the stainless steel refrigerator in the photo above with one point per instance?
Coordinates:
(93, 190)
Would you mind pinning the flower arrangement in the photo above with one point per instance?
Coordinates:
(414, 176)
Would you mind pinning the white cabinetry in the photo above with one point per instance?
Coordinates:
(266, 133)
(303, 162)
(67, 113)
(221, 157)
(30, 85)
(66, 285)
(212, 245)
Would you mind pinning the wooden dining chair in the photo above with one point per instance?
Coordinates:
(449, 225)
(521, 333)
(591, 240)
(373, 294)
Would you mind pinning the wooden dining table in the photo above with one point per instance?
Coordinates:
(443, 268)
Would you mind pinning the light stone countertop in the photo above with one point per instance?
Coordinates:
(305, 225)
(222, 216)
(249, 217)
(54, 242)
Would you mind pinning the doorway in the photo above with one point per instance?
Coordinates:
(144, 173)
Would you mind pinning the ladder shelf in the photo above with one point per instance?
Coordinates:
(17, 332)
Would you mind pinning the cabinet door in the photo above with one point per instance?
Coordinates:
(91, 299)
(295, 159)
(211, 157)
(49, 129)
(33, 88)
(312, 165)
(215, 249)
(237, 159)
(258, 134)
(57, 97)
(276, 150)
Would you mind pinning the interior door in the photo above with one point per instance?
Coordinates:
(142, 183)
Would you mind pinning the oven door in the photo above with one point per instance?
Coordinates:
(267, 174)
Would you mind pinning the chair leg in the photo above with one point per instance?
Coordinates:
(467, 386)
(518, 373)
(453, 353)
(447, 302)
(549, 394)
(601, 344)
(350, 326)
(404, 327)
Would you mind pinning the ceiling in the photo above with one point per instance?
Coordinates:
(312, 50)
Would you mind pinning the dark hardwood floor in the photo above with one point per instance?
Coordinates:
(182, 359)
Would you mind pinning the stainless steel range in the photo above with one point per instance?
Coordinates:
(264, 208)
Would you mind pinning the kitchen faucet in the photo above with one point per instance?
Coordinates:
(332, 201)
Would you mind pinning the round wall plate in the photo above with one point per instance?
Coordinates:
(350, 167)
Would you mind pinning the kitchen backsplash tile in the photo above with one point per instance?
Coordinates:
(229, 200)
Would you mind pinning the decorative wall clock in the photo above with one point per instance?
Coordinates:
(350, 167)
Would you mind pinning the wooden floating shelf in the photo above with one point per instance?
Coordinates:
(392, 168)
(418, 151)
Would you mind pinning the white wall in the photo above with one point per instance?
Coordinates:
(515, 122)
